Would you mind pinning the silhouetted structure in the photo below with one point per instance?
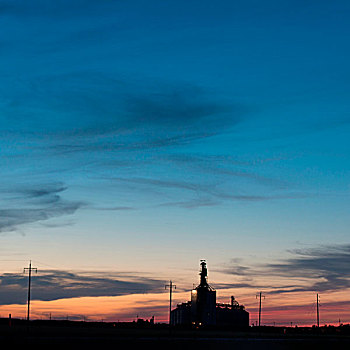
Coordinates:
(203, 310)
(232, 315)
(203, 300)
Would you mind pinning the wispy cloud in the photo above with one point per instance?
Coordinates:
(34, 203)
(167, 116)
(179, 109)
(57, 284)
(161, 183)
(112, 126)
(190, 204)
(327, 268)
(205, 194)
(121, 208)
(319, 269)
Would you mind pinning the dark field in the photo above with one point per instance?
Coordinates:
(83, 336)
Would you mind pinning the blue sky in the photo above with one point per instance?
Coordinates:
(156, 133)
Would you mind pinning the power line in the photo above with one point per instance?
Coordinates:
(171, 286)
(30, 269)
(260, 296)
(318, 311)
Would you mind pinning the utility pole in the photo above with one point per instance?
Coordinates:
(260, 296)
(30, 269)
(171, 286)
(318, 311)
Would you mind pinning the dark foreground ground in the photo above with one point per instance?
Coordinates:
(81, 336)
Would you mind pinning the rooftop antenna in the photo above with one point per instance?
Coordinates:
(203, 273)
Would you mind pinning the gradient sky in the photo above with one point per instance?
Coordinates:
(138, 137)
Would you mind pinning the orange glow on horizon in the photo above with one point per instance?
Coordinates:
(111, 308)
(277, 309)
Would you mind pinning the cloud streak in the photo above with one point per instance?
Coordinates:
(36, 203)
(206, 194)
(327, 268)
(57, 284)
(319, 269)
(171, 115)
(112, 125)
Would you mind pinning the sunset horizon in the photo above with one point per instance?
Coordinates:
(138, 138)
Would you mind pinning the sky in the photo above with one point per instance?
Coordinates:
(138, 137)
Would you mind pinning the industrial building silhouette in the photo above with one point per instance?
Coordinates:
(203, 310)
